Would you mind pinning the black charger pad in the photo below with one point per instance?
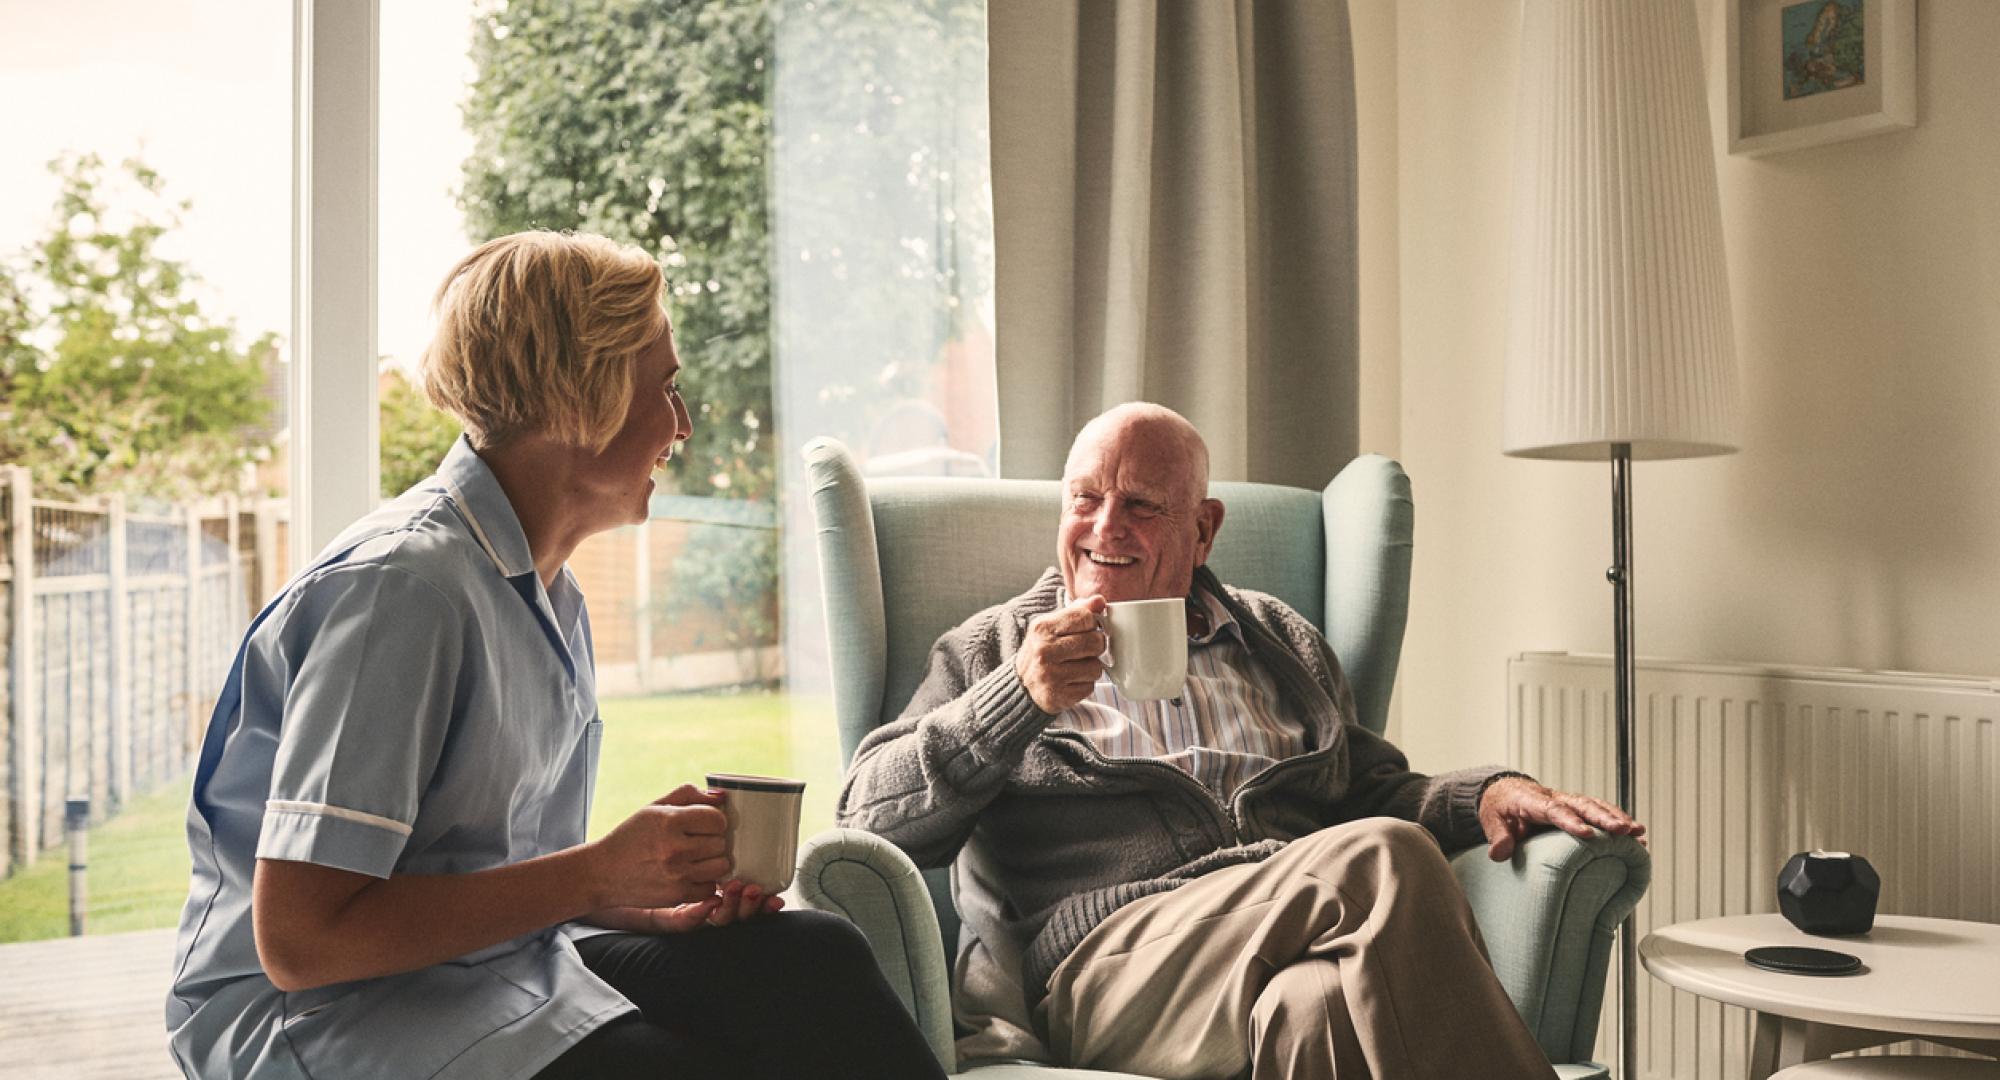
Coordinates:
(1794, 960)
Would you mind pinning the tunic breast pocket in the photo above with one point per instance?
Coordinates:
(406, 1026)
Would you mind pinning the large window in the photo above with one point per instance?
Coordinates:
(882, 261)
(145, 305)
(812, 176)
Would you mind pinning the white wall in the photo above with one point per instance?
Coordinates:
(1859, 526)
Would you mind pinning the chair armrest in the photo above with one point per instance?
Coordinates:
(871, 883)
(1548, 916)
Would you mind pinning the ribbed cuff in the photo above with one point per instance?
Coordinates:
(1070, 923)
(1479, 793)
(1004, 715)
(1074, 918)
(1467, 787)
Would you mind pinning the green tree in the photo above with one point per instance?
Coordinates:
(650, 121)
(645, 121)
(111, 377)
(880, 180)
(415, 435)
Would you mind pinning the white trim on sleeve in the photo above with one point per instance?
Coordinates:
(288, 806)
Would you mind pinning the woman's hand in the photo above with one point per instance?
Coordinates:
(667, 855)
(734, 902)
(739, 901)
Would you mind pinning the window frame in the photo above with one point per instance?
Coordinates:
(335, 460)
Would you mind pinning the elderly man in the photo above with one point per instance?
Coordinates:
(1240, 878)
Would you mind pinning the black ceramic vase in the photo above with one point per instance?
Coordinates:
(1829, 892)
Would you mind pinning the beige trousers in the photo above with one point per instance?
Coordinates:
(1350, 953)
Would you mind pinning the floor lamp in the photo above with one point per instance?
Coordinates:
(1619, 344)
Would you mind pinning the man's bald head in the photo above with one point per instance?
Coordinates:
(1137, 519)
(1162, 437)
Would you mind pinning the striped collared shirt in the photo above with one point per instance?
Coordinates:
(1226, 727)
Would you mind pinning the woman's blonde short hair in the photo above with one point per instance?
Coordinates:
(538, 332)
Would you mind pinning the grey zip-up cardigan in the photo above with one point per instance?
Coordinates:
(1050, 836)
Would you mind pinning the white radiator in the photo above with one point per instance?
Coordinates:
(1739, 767)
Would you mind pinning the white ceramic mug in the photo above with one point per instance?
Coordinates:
(1147, 656)
(763, 829)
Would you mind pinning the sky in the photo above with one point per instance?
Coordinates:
(202, 91)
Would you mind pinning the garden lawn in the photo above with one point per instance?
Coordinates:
(138, 874)
(654, 745)
(139, 859)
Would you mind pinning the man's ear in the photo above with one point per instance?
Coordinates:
(1207, 523)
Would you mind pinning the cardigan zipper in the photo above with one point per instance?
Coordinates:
(1218, 810)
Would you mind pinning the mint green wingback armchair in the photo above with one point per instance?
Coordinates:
(904, 560)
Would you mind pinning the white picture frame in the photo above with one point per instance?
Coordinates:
(1766, 59)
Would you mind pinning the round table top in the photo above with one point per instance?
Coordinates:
(1891, 1068)
(1918, 976)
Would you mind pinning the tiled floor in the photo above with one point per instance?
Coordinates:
(88, 1008)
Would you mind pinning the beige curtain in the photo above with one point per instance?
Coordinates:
(1173, 209)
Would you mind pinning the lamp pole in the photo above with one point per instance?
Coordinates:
(1625, 677)
(1620, 338)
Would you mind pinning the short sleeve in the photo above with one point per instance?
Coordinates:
(373, 654)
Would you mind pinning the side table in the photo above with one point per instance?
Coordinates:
(1936, 979)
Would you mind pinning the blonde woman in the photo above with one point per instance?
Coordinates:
(390, 871)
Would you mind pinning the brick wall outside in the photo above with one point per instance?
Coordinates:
(606, 568)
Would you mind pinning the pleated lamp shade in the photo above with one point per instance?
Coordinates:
(1619, 326)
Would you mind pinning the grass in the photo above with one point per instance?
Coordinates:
(139, 860)
(138, 875)
(653, 745)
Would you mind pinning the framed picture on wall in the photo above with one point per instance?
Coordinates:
(1807, 72)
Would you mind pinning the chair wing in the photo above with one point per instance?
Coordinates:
(950, 548)
(850, 575)
(1369, 521)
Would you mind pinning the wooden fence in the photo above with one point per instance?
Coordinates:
(115, 633)
(117, 627)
